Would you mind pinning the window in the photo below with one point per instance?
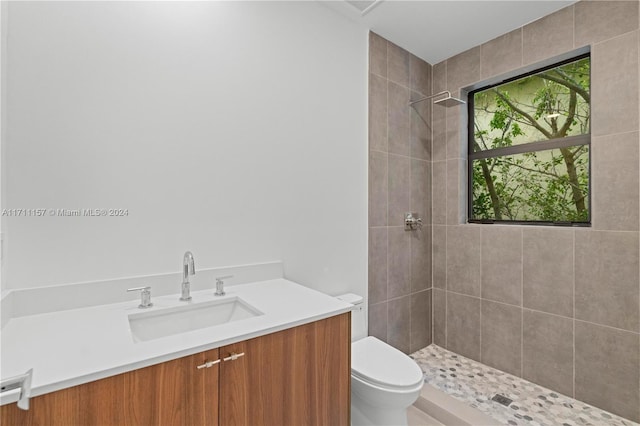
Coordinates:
(529, 140)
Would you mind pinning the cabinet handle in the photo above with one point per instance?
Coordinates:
(233, 356)
(207, 364)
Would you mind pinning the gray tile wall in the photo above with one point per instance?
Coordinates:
(557, 306)
(399, 182)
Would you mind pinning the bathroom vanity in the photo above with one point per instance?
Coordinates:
(286, 366)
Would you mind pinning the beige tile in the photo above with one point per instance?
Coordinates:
(606, 266)
(439, 135)
(439, 317)
(421, 189)
(377, 265)
(439, 115)
(548, 270)
(502, 264)
(416, 417)
(454, 141)
(399, 261)
(399, 189)
(463, 259)
(615, 182)
(453, 191)
(377, 54)
(463, 325)
(439, 77)
(463, 69)
(439, 264)
(420, 128)
(456, 190)
(420, 258)
(399, 120)
(501, 54)
(378, 188)
(607, 369)
(378, 318)
(596, 21)
(420, 336)
(547, 355)
(398, 328)
(397, 64)
(439, 193)
(548, 36)
(377, 113)
(502, 337)
(614, 76)
(419, 75)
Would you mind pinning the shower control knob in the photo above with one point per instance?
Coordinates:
(412, 221)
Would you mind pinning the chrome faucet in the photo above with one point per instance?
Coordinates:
(188, 268)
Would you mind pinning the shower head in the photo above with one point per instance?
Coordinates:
(447, 101)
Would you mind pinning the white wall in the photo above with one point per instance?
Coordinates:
(3, 112)
(235, 130)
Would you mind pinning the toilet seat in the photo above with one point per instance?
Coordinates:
(382, 365)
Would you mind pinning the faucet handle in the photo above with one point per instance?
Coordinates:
(145, 296)
(220, 285)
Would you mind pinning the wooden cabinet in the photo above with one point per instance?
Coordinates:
(171, 393)
(299, 376)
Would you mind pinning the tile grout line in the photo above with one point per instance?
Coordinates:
(573, 33)
(611, 38)
(522, 301)
(522, 46)
(446, 237)
(545, 313)
(446, 278)
(387, 183)
(573, 254)
(433, 299)
(480, 331)
(410, 209)
(399, 155)
(621, 330)
(541, 226)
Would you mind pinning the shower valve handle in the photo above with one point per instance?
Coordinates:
(412, 222)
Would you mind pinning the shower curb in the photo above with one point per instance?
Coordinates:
(448, 410)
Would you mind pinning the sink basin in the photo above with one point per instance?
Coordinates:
(194, 316)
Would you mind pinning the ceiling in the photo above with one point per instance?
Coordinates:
(435, 30)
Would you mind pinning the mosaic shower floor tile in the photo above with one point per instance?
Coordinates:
(527, 404)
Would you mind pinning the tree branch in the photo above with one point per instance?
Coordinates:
(542, 172)
(566, 81)
(532, 121)
(572, 113)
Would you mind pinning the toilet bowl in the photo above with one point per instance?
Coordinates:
(384, 381)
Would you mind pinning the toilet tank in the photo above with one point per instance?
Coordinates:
(358, 315)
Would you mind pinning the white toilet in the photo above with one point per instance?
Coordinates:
(384, 381)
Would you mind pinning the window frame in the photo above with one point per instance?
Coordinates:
(542, 145)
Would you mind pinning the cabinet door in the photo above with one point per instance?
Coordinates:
(299, 376)
(95, 403)
(174, 393)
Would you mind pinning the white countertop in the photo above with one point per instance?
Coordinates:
(76, 346)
